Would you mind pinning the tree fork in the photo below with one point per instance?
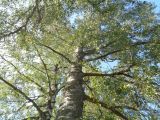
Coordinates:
(72, 105)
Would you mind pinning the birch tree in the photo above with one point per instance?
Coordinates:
(79, 60)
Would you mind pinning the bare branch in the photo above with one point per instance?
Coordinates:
(113, 110)
(119, 50)
(109, 75)
(102, 56)
(122, 72)
(23, 94)
(58, 53)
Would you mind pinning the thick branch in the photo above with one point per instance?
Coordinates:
(102, 56)
(58, 53)
(23, 94)
(122, 72)
(95, 101)
(119, 50)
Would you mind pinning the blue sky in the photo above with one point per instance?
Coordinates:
(111, 65)
(156, 3)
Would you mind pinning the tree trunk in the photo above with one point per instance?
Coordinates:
(72, 105)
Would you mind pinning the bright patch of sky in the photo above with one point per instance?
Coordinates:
(73, 18)
(156, 3)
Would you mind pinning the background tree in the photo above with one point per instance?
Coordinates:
(56, 60)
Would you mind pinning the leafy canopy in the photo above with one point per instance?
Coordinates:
(120, 39)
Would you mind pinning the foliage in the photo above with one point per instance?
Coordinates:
(38, 42)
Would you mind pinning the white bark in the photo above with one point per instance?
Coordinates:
(72, 106)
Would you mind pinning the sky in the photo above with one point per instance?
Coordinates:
(156, 3)
(110, 65)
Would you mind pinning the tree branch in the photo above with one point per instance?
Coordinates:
(94, 51)
(119, 50)
(23, 94)
(23, 105)
(45, 67)
(20, 28)
(112, 109)
(122, 72)
(102, 56)
(23, 74)
(58, 53)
